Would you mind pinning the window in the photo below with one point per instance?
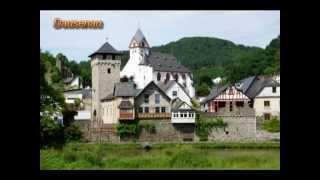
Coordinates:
(190, 114)
(230, 106)
(157, 98)
(239, 103)
(113, 57)
(174, 93)
(267, 116)
(185, 114)
(230, 91)
(158, 76)
(184, 84)
(104, 56)
(157, 109)
(266, 103)
(142, 44)
(222, 104)
(109, 70)
(146, 109)
(274, 89)
(181, 115)
(163, 109)
(146, 98)
(140, 109)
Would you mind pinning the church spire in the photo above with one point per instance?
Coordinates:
(139, 40)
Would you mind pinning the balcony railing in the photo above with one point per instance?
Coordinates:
(126, 115)
(152, 115)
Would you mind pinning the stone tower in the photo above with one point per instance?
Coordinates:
(105, 66)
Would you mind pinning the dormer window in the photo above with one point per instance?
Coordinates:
(104, 56)
(274, 89)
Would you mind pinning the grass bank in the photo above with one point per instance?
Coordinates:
(163, 156)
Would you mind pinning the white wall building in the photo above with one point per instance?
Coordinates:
(146, 66)
(175, 90)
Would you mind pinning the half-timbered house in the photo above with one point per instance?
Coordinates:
(225, 98)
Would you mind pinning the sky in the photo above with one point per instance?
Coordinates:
(250, 28)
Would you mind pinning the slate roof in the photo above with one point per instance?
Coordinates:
(125, 105)
(86, 93)
(258, 84)
(164, 63)
(246, 83)
(124, 89)
(139, 37)
(251, 86)
(166, 86)
(216, 91)
(108, 97)
(106, 48)
(148, 85)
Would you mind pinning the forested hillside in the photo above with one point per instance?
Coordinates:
(207, 58)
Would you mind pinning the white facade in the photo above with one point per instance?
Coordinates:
(176, 91)
(183, 114)
(76, 83)
(268, 102)
(144, 74)
(71, 96)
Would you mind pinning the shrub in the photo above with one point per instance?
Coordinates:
(129, 129)
(72, 133)
(272, 125)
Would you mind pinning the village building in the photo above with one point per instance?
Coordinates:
(119, 105)
(145, 66)
(175, 90)
(264, 91)
(182, 112)
(72, 82)
(105, 65)
(152, 102)
(223, 99)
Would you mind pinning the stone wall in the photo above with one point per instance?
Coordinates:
(239, 128)
(166, 131)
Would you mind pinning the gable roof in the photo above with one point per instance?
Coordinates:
(165, 86)
(164, 62)
(258, 84)
(125, 105)
(150, 84)
(216, 91)
(177, 103)
(106, 48)
(124, 89)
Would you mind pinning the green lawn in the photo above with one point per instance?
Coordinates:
(163, 156)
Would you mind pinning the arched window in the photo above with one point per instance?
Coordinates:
(142, 44)
(176, 77)
(158, 76)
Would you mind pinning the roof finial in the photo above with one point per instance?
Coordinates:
(138, 24)
(107, 39)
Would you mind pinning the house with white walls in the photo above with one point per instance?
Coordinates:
(145, 66)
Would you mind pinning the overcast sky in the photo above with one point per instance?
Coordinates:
(251, 28)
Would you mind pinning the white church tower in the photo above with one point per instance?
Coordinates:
(139, 50)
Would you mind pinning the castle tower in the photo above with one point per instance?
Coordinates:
(105, 66)
(139, 49)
